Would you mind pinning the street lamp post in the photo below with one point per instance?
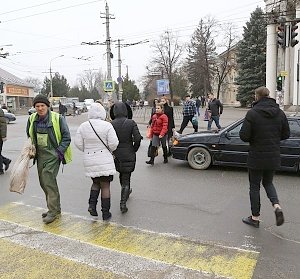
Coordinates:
(51, 85)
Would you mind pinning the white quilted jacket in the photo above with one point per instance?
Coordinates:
(97, 160)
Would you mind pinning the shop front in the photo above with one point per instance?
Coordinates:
(15, 92)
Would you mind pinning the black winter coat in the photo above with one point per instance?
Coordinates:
(265, 125)
(168, 111)
(129, 139)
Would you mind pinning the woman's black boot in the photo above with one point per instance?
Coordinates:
(105, 204)
(124, 197)
(93, 200)
(152, 153)
(165, 152)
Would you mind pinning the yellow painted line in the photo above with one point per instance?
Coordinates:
(37, 264)
(214, 259)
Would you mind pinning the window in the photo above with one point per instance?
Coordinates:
(235, 132)
(294, 128)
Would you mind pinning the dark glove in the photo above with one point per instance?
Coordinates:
(61, 156)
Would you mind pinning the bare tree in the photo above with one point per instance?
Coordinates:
(167, 52)
(37, 84)
(91, 80)
(225, 63)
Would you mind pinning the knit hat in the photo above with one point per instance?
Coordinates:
(40, 98)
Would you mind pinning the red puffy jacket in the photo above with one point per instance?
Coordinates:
(159, 125)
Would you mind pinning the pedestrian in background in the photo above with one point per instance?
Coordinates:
(97, 139)
(62, 109)
(3, 135)
(198, 104)
(189, 111)
(265, 125)
(159, 130)
(74, 108)
(168, 111)
(215, 109)
(50, 134)
(129, 142)
(202, 101)
(153, 109)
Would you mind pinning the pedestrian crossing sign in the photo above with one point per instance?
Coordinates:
(109, 85)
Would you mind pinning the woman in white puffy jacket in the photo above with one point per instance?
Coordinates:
(97, 159)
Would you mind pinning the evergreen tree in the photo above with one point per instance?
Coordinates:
(201, 58)
(59, 84)
(180, 84)
(251, 58)
(130, 90)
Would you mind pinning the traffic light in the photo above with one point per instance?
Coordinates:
(281, 32)
(294, 33)
(279, 83)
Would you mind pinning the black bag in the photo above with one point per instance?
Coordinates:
(149, 150)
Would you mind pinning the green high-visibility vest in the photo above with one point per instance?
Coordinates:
(56, 128)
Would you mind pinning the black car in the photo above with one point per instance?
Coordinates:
(31, 110)
(225, 147)
(9, 117)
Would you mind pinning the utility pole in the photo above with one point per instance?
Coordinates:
(120, 79)
(109, 55)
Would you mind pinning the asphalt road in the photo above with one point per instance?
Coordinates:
(205, 207)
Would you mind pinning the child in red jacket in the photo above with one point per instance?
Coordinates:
(159, 130)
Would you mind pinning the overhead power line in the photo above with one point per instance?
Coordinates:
(30, 7)
(51, 11)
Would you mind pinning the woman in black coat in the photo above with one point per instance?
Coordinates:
(129, 142)
(171, 125)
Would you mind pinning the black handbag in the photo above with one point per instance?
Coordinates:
(149, 150)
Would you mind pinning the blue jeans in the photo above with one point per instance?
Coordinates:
(255, 177)
(216, 119)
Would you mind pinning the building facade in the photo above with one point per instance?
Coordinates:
(15, 92)
(228, 88)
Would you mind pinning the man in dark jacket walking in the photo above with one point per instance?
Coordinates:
(265, 125)
(129, 142)
(215, 108)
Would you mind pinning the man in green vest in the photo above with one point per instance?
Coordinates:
(50, 134)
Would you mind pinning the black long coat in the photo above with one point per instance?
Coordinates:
(168, 111)
(129, 138)
(265, 125)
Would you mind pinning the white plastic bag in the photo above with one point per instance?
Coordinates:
(20, 169)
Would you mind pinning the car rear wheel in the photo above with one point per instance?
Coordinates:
(199, 158)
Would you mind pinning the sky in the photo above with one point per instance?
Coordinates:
(37, 33)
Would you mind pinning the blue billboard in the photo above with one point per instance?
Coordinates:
(162, 86)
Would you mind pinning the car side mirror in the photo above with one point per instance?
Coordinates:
(227, 135)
